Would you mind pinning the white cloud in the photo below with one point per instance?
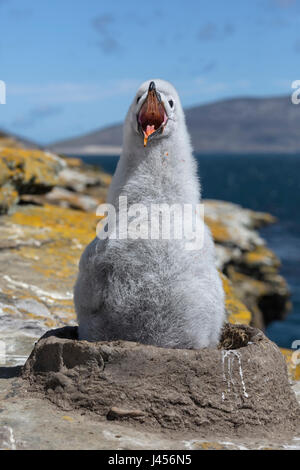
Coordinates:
(71, 92)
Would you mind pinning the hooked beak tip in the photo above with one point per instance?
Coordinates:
(152, 86)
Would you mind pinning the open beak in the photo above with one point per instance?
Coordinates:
(152, 117)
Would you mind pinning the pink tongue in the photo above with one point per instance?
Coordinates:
(149, 130)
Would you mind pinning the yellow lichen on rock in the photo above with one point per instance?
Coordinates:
(207, 445)
(31, 171)
(219, 231)
(266, 296)
(293, 363)
(9, 142)
(8, 198)
(236, 310)
(73, 162)
(263, 258)
(58, 223)
(45, 244)
(255, 286)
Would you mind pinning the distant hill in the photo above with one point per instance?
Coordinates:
(239, 125)
(22, 141)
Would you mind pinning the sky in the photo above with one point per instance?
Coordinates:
(73, 66)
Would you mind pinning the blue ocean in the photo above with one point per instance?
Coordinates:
(264, 183)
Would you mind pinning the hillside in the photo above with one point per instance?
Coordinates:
(239, 125)
(8, 139)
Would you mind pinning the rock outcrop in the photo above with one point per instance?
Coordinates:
(25, 171)
(244, 258)
(37, 177)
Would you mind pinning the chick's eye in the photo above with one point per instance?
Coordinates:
(171, 103)
(138, 99)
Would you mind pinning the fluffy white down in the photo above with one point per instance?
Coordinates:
(152, 291)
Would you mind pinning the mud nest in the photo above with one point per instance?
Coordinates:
(240, 387)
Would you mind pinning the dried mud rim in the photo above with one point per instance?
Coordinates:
(232, 336)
